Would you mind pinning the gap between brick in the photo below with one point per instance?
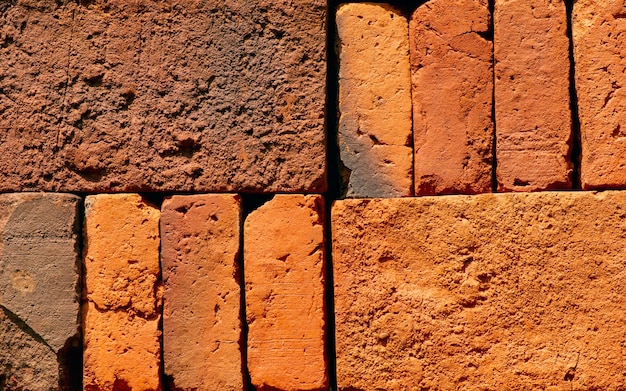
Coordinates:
(576, 148)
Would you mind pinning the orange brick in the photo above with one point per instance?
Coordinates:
(284, 275)
(452, 81)
(532, 100)
(201, 307)
(495, 292)
(123, 308)
(600, 55)
(375, 100)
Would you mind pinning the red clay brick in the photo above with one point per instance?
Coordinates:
(496, 292)
(452, 80)
(146, 95)
(600, 56)
(201, 306)
(374, 100)
(39, 298)
(284, 275)
(123, 308)
(532, 102)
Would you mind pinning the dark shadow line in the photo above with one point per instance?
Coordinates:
(576, 141)
(494, 137)
(335, 186)
(25, 327)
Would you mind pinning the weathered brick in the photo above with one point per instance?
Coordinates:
(123, 308)
(499, 292)
(284, 277)
(218, 95)
(201, 307)
(374, 100)
(39, 300)
(532, 102)
(452, 81)
(598, 28)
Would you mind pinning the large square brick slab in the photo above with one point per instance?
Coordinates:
(112, 95)
(489, 292)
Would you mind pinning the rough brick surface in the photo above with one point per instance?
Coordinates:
(284, 275)
(533, 117)
(39, 278)
(201, 307)
(122, 312)
(600, 56)
(25, 360)
(493, 292)
(452, 80)
(374, 100)
(168, 95)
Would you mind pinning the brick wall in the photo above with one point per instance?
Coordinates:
(308, 195)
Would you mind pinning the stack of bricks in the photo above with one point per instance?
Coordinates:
(168, 219)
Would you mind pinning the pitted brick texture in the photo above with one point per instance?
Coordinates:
(514, 291)
(111, 95)
(532, 102)
(201, 307)
(452, 79)
(123, 308)
(284, 275)
(600, 56)
(374, 100)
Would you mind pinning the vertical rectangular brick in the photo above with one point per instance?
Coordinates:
(201, 299)
(123, 292)
(374, 100)
(599, 28)
(532, 103)
(39, 298)
(520, 291)
(284, 276)
(452, 81)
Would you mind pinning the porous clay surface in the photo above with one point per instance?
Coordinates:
(532, 95)
(112, 95)
(123, 294)
(452, 81)
(598, 28)
(485, 292)
(201, 299)
(374, 100)
(284, 276)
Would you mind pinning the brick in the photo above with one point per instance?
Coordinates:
(374, 100)
(284, 278)
(123, 308)
(39, 279)
(600, 57)
(498, 292)
(532, 102)
(112, 95)
(452, 82)
(201, 307)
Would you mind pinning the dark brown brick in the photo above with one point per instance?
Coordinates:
(39, 300)
(162, 95)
